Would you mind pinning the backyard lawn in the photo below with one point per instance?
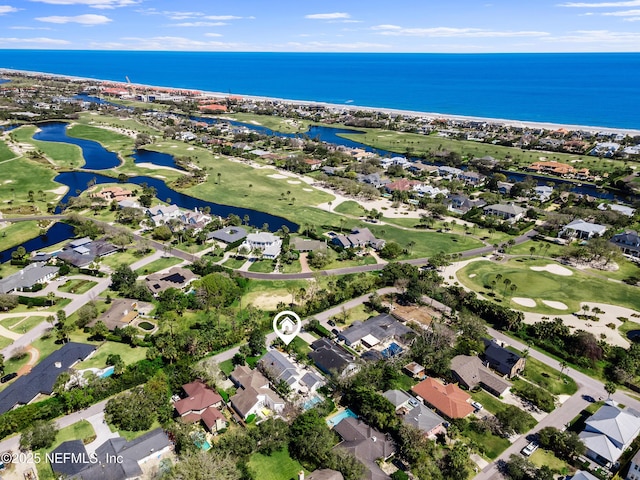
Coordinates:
(277, 466)
(127, 353)
(543, 285)
(544, 457)
(78, 286)
(157, 265)
(549, 378)
(490, 444)
(262, 266)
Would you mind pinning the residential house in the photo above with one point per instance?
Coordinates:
(127, 203)
(331, 358)
(121, 313)
(470, 372)
(278, 368)
(177, 277)
(628, 242)
(359, 238)
(429, 190)
(415, 413)
(82, 252)
(228, 234)
(415, 370)
(372, 179)
(543, 192)
(201, 404)
(582, 230)
(253, 396)
(114, 193)
(582, 475)
(267, 242)
(43, 376)
(31, 275)
(195, 220)
(634, 468)
(417, 168)
(605, 149)
(552, 167)
(449, 172)
(461, 204)
(402, 185)
(616, 207)
(321, 474)
(161, 214)
(502, 360)
(302, 245)
(509, 212)
(449, 400)
(504, 188)
(609, 432)
(313, 163)
(376, 330)
(474, 179)
(116, 459)
(366, 444)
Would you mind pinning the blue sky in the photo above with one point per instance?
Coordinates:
(473, 26)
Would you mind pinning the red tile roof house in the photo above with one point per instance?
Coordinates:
(201, 404)
(449, 400)
(402, 185)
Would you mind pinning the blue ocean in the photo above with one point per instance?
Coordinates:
(599, 89)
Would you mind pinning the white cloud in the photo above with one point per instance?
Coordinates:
(21, 27)
(395, 30)
(7, 9)
(624, 13)
(198, 24)
(176, 43)
(628, 3)
(328, 16)
(87, 19)
(222, 17)
(323, 46)
(103, 4)
(212, 34)
(36, 40)
(597, 39)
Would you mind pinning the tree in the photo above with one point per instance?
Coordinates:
(610, 387)
(86, 313)
(310, 440)
(216, 289)
(199, 465)
(130, 411)
(391, 250)
(347, 464)
(41, 434)
(513, 419)
(271, 435)
(256, 342)
(8, 302)
(1, 364)
(123, 278)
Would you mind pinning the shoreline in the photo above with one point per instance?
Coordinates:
(351, 107)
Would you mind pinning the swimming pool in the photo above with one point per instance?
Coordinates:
(311, 402)
(203, 445)
(107, 372)
(338, 417)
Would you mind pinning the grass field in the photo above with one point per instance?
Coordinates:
(293, 267)
(543, 457)
(549, 378)
(26, 175)
(489, 402)
(274, 123)
(4, 343)
(492, 445)
(62, 154)
(233, 262)
(366, 260)
(157, 265)
(351, 207)
(263, 266)
(12, 234)
(277, 466)
(126, 352)
(571, 290)
(127, 257)
(5, 152)
(77, 286)
(131, 124)
(21, 324)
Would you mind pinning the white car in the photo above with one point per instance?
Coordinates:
(477, 406)
(529, 449)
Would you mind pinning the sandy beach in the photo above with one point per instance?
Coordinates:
(351, 107)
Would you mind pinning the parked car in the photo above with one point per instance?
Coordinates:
(331, 323)
(413, 402)
(477, 406)
(8, 376)
(529, 449)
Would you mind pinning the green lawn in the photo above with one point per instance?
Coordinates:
(226, 366)
(99, 358)
(293, 267)
(366, 260)
(571, 290)
(549, 378)
(403, 382)
(127, 257)
(129, 436)
(544, 457)
(22, 324)
(492, 445)
(62, 154)
(77, 286)
(234, 263)
(554, 249)
(82, 430)
(277, 466)
(5, 342)
(490, 403)
(26, 175)
(12, 234)
(5, 152)
(263, 266)
(157, 265)
(351, 207)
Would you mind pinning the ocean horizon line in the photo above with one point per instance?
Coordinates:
(352, 107)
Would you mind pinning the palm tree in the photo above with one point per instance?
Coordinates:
(410, 246)
(219, 175)
(506, 282)
(513, 289)
(610, 387)
(563, 365)
(532, 250)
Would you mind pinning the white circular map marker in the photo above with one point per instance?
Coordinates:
(286, 326)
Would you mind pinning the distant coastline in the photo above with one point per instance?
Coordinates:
(347, 106)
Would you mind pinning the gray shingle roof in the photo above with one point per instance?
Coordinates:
(228, 234)
(278, 367)
(330, 357)
(423, 418)
(43, 376)
(382, 327)
(27, 277)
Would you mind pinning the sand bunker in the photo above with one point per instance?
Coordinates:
(554, 304)
(294, 182)
(8, 181)
(472, 275)
(59, 191)
(174, 146)
(308, 189)
(190, 148)
(277, 175)
(155, 167)
(555, 269)
(525, 302)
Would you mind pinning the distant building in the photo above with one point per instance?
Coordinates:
(177, 277)
(628, 242)
(253, 394)
(82, 252)
(301, 245)
(461, 204)
(228, 234)
(359, 238)
(622, 209)
(161, 214)
(552, 167)
(114, 193)
(374, 331)
(509, 212)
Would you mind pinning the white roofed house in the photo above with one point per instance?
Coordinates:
(28, 277)
(267, 242)
(195, 220)
(508, 212)
(161, 214)
(582, 230)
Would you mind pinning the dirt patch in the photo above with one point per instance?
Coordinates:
(555, 269)
(525, 302)
(270, 302)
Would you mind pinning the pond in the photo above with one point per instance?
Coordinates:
(156, 158)
(59, 232)
(634, 335)
(144, 325)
